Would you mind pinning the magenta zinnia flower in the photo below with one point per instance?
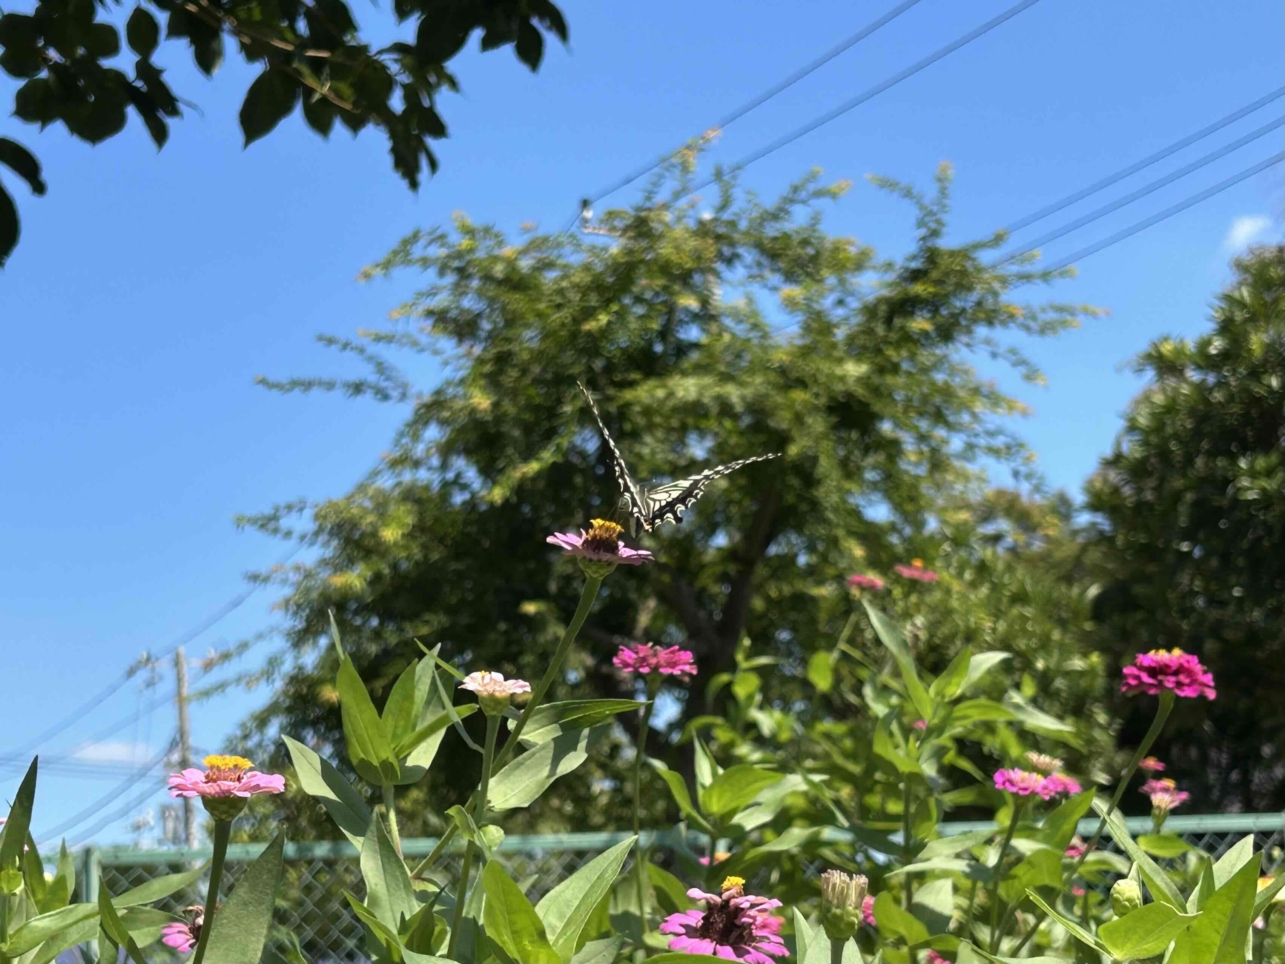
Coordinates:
(600, 544)
(932, 957)
(178, 936)
(868, 910)
(1168, 670)
(1150, 764)
(734, 925)
(648, 658)
(224, 776)
(1164, 795)
(1075, 849)
(915, 571)
(1021, 782)
(1158, 786)
(859, 581)
(1058, 784)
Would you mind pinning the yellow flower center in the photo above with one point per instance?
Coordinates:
(733, 883)
(603, 536)
(1166, 652)
(225, 769)
(917, 563)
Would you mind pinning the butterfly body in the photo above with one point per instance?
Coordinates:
(650, 507)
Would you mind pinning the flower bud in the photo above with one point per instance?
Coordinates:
(841, 897)
(1126, 896)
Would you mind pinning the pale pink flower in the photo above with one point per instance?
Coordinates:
(178, 936)
(224, 776)
(1157, 786)
(1057, 785)
(734, 925)
(600, 544)
(859, 581)
(920, 725)
(494, 684)
(915, 571)
(1162, 801)
(1174, 670)
(1021, 782)
(1075, 849)
(1078, 891)
(1150, 764)
(1043, 762)
(868, 910)
(648, 657)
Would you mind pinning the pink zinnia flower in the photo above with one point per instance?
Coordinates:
(859, 581)
(648, 657)
(225, 776)
(1075, 849)
(915, 571)
(1169, 670)
(1150, 764)
(734, 925)
(1162, 801)
(1022, 782)
(868, 910)
(494, 684)
(919, 725)
(1078, 891)
(932, 957)
(1057, 785)
(178, 936)
(600, 544)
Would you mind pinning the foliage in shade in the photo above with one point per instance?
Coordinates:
(310, 52)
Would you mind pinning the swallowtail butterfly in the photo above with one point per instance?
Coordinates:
(650, 508)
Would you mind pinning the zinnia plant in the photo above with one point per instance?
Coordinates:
(734, 925)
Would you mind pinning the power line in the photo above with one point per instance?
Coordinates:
(1169, 211)
(106, 799)
(17, 760)
(1145, 190)
(118, 814)
(1147, 161)
(874, 91)
(762, 98)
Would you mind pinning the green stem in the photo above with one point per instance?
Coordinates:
(461, 890)
(997, 871)
(587, 597)
(390, 806)
(222, 833)
(906, 855)
(972, 902)
(1162, 714)
(640, 857)
(836, 951)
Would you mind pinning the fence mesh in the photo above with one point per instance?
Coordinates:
(312, 905)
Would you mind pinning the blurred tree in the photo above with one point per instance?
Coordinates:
(1192, 544)
(708, 331)
(310, 51)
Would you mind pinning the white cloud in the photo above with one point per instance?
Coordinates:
(113, 751)
(1245, 230)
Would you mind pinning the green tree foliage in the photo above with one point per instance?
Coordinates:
(74, 70)
(1192, 502)
(708, 330)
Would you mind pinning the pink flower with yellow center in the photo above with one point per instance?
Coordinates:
(648, 658)
(1057, 785)
(1162, 801)
(915, 571)
(599, 548)
(734, 925)
(1158, 786)
(1021, 782)
(1173, 670)
(494, 691)
(860, 581)
(226, 784)
(1150, 764)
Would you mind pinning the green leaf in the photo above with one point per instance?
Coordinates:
(821, 670)
(142, 32)
(529, 775)
(368, 745)
(1264, 896)
(64, 882)
(1145, 932)
(13, 836)
(934, 904)
(401, 709)
(1157, 881)
(603, 951)
(242, 923)
(323, 782)
(470, 830)
(389, 893)
(383, 933)
(567, 908)
(37, 930)
(1043, 868)
(979, 711)
(511, 921)
(33, 873)
(810, 946)
(678, 790)
(979, 666)
(949, 846)
(436, 702)
(946, 686)
(1165, 845)
(1218, 935)
(885, 747)
(19, 160)
(530, 45)
(114, 928)
(1059, 826)
(972, 869)
(1236, 856)
(671, 893)
(435, 727)
(1038, 721)
(895, 922)
(734, 788)
(553, 719)
(705, 766)
(268, 102)
(1079, 932)
(892, 639)
(158, 888)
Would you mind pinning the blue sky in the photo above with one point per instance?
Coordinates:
(150, 289)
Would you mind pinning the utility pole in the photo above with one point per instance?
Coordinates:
(185, 746)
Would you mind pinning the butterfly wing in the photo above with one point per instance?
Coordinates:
(667, 503)
(633, 494)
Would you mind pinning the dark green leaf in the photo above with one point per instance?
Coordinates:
(102, 40)
(268, 102)
(530, 45)
(242, 923)
(13, 837)
(35, 102)
(319, 113)
(529, 775)
(389, 893)
(1144, 932)
(551, 719)
(512, 922)
(157, 888)
(113, 926)
(142, 32)
(320, 780)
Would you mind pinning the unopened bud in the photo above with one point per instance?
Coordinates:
(841, 897)
(1126, 896)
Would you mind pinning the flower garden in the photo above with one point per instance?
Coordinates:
(1027, 888)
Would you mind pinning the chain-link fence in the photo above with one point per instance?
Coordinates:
(312, 905)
